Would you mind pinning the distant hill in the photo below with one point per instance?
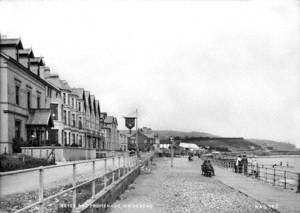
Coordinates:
(165, 134)
(206, 139)
(282, 146)
(219, 143)
(223, 144)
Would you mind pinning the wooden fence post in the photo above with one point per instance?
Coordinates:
(274, 177)
(113, 162)
(41, 189)
(105, 171)
(93, 182)
(119, 167)
(124, 163)
(298, 188)
(74, 184)
(113, 176)
(284, 177)
(129, 163)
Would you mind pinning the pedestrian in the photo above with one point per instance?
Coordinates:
(238, 164)
(245, 163)
(210, 167)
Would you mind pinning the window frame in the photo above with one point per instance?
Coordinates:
(17, 95)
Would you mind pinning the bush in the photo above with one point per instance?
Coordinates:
(48, 143)
(13, 162)
(17, 143)
(74, 145)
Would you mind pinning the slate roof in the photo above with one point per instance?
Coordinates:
(97, 107)
(78, 91)
(147, 134)
(11, 42)
(40, 117)
(26, 52)
(92, 103)
(109, 119)
(37, 60)
(65, 85)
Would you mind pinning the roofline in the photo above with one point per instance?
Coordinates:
(30, 54)
(19, 44)
(40, 62)
(26, 70)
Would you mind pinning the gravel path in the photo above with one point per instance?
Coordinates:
(182, 189)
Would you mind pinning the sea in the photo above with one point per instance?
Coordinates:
(283, 162)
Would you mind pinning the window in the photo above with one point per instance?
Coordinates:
(54, 111)
(49, 91)
(72, 103)
(80, 140)
(73, 138)
(57, 95)
(64, 97)
(38, 102)
(73, 120)
(28, 100)
(69, 118)
(17, 128)
(94, 143)
(65, 117)
(79, 106)
(80, 123)
(65, 138)
(17, 95)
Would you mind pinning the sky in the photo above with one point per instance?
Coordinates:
(227, 67)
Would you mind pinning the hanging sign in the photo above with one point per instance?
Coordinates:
(130, 122)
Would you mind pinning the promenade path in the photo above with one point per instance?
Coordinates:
(275, 197)
(183, 189)
(54, 177)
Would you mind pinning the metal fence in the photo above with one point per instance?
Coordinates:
(274, 176)
(96, 182)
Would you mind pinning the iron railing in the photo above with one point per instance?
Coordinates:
(107, 178)
(274, 176)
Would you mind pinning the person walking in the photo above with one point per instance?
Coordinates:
(245, 163)
(238, 164)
